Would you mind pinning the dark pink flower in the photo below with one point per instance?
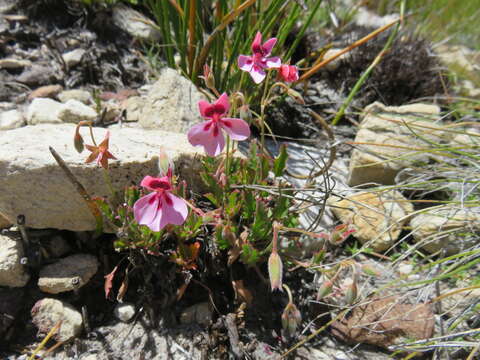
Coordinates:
(288, 73)
(209, 135)
(160, 207)
(256, 63)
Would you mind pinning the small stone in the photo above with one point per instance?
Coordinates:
(405, 269)
(134, 23)
(12, 272)
(36, 75)
(43, 111)
(198, 313)
(76, 94)
(47, 91)
(46, 313)
(124, 311)
(11, 119)
(67, 274)
(14, 64)
(335, 63)
(112, 111)
(73, 57)
(134, 107)
(73, 111)
(378, 217)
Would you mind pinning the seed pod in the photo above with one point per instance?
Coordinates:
(275, 271)
(352, 292)
(325, 289)
(291, 318)
(78, 140)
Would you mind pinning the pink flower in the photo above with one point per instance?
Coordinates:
(209, 135)
(288, 73)
(160, 207)
(259, 61)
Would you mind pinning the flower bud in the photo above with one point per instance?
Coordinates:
(352, 292)
(325, 289)
(340, 233)
(275, 271)
(78, 140)
(288, 73)
(164, 164)
(291, 318)
(208, 77)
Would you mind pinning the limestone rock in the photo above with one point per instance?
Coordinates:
(13, 64)
(76, 94)
(172, 103)
(11, 119)
(12, 272)
(46, 313)
(459, 55)
(439, 228)
(134, 107)
(74, 111)
(24, 162)
(377, 216)
(67, 274)
(43, 111)
(47, 91)
(387, 144)
(73, 57)
(134, 23)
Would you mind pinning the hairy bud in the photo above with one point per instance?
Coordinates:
(291, 318)
(275, 271)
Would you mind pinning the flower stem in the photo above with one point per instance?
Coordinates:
(289, 293)
(108, 181)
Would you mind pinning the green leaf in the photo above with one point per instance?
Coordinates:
(280, 161)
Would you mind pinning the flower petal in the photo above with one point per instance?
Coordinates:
(146, 209)
(257, 74)
(223, 102)
(257, 43)
(245, 62)
(215, 145)
(273, 62)
(238, 129)
(204, 106)
(268, 46)
(174, 210)
(204, 134)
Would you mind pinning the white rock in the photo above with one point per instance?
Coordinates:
(67, 274)
(73, 57)
(134, 23)
(11, 63)
(458, 55)
(27, 166)
(448, 228)
(365, 17)
(11, 119)
(12, 272)
(124, 311)
(74, 111)
(377, 216)
(43, 111)
(335, 63)
(387, 145)
(134, 107)
(46, 313)
(405, 268)
(76, 94)
(172, 103)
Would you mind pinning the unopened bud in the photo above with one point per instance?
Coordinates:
(164, 164)
(295, 95)
(208, 77)
(78, 140)
(275, 271)
(245, 113)
(340, 233)
(351, 293)
(291, 318)
(325, 289)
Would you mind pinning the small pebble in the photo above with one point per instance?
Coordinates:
(124, 312)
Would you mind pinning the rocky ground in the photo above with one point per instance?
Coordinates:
(60, 64)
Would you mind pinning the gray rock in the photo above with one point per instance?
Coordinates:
(387, 141)
(58, 205)
(134, 107)
(447, 228)
(73, 57)
(172, 103)
(46, 313)
(124, 311)
(37, 75)
(134, 23)
(367, 18)
(11, 119)
(43, 111)
(12, 272)
(200, 313)
(4, 222)
(74, 111)
(67, 274)
(80, 95)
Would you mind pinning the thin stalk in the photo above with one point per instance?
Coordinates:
(191, 31)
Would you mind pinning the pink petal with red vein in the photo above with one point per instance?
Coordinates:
(238, 129)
